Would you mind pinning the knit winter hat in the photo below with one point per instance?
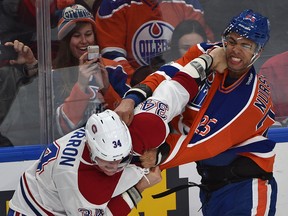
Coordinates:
(70, 16)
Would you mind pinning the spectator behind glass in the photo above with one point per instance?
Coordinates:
(78, 91)
(185, 35)
(16, 22)
(14, 74)
(275, 69)
(133, 32)
(19, 119)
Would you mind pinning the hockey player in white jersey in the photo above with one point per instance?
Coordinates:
(86, 172)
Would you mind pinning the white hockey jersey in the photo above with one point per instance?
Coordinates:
(64, 182)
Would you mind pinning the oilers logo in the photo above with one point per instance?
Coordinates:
(151, 39)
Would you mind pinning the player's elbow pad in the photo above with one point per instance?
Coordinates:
(140, 91)
(199, 68)
(132, 196)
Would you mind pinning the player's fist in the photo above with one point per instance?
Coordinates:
(150, 179)
(219, 59)
(125, 110)
(148, 158)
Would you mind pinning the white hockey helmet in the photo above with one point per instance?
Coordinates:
(108, 138)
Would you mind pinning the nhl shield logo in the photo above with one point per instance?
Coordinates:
(151, 39)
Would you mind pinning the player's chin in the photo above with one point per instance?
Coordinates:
(109, 173)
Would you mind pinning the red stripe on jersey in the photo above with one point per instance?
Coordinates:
(89, 175)
(187, 82)
(114, 204)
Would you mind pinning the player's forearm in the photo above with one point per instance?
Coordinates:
(122, 205)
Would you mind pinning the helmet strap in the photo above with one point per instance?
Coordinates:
(255, 56)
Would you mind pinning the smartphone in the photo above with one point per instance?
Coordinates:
(7, 53)
(93, 52)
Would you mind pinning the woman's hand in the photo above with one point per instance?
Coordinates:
(87, 68)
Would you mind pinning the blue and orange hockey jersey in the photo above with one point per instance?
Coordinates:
(220, 123)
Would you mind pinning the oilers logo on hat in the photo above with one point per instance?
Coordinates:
(75, 12)
(70, 16)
